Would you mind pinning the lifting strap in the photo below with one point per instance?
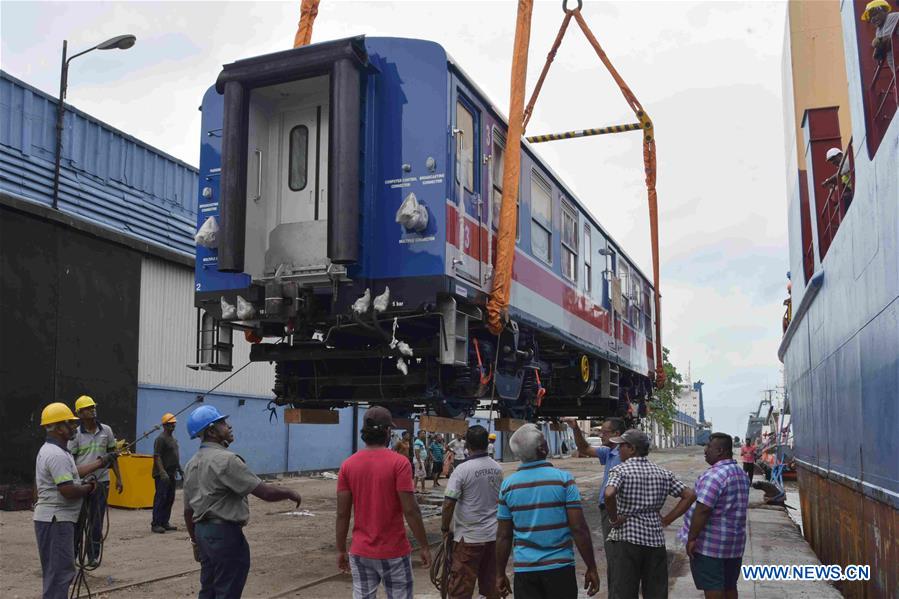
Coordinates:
(308, 12)
(497, 306)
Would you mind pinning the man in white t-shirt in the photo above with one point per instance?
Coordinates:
(470, 505)
(457, 446)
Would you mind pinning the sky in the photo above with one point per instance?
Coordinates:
(708, 74)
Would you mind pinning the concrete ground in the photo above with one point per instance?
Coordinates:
(293, 554)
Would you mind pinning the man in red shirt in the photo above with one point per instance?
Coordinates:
(377, 484)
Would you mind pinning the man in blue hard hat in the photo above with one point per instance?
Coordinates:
(216, 507)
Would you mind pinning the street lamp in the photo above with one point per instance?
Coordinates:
(120, 42)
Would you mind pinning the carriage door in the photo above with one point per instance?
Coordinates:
(302, 195)
(468, 179)
(299, 238)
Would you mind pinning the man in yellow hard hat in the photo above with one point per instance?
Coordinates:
(94, 439)
(166, 463)
(877, 12)
(491, 446)
(59, 495)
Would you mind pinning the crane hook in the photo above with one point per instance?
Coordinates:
(580, 4)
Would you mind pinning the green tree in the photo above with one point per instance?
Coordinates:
(664, 399)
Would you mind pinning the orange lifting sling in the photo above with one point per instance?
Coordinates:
(498, 304)
(308, 12)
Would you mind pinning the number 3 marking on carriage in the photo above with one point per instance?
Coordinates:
(467, 237)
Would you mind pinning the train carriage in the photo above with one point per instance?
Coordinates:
(349, 197)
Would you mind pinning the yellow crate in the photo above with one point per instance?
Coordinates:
(137, 479)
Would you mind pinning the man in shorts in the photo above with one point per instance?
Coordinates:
(715, 527)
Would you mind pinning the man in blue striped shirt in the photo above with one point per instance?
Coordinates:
(540, 516)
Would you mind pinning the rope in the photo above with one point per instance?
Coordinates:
(440, 566)
(199, 398)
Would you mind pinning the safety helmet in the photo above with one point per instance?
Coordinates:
(85, 401)
(492, 436)
(201, 418)
(866, 16)
(168, 417)
(56, 412)
(833, 152)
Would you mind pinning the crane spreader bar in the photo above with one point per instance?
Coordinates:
(585, 132)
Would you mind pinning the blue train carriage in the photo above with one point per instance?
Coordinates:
(349, 200)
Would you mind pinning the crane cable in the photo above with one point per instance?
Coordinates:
(497, 307)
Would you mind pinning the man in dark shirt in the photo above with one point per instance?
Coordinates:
(166, 462)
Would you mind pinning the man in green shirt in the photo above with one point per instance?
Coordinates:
(166, 464)
(217, 483)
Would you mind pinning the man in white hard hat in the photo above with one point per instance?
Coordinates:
(843, 176)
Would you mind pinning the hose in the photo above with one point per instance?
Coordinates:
(440, 565)
(83, 538)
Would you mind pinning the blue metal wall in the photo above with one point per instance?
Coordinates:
(107, 176)
(269, 447)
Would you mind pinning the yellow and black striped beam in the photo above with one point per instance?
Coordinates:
(534, 139)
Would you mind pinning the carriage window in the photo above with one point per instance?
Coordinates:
(624, 277)
(569, 242)
(298, 158)
(588, 264)
(541, 218)
(465, 160)
(499, 162)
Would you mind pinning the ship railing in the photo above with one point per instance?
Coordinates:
(839, 198)
(886, 99)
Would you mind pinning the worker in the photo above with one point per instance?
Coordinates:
(60, 492)
(877, 12)
(457, 446)
(92, 440)
(375, 485)
(403, 446)
(609, 457)
(438, 452)
(469, 505)
(843, 176)
(539, 513)
(635, 494)
(216, 485)
(747, 456)
(491, 446)
(420, 457)
(714, 529)
(166, 464)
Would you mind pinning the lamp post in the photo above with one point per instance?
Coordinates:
(120, 42)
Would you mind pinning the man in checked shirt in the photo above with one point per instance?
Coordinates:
(715, 528)
(635, 494)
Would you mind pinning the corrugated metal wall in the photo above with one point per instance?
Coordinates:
(168, 323)
(107, 176)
